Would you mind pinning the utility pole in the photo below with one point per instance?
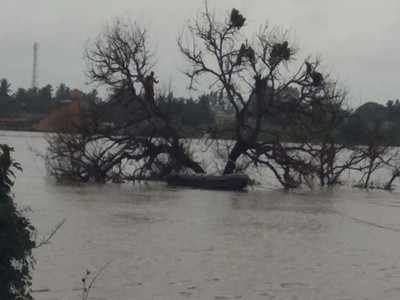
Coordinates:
(35, 65)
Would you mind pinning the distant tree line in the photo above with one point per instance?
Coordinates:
(372, 119)
(199, 116)
(190, 113)
(31, 100)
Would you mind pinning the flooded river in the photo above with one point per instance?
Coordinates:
(170, 243)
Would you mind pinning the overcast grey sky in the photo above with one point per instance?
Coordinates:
(358, 40)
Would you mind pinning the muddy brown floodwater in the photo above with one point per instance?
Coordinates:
(169, 243)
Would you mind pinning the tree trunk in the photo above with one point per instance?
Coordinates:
(193, 166)
(371, 164)
(182, 159)
(235, 153)
(389, 184)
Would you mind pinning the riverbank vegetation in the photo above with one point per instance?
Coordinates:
(16, 238)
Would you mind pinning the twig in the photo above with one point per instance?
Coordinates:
(87, 288)
(47, 239)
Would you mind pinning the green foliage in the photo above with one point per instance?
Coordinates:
(16, 243)
(372, 122)
(63, 93)
(24, 101)
(192, 114)
(4, 88)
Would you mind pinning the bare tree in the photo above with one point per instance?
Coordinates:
(282, 112)
(120, 59)
(79, 151)
(395, 174)
(259, 80)
(377, 154)
(97, 145)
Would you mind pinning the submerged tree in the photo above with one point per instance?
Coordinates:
(121, 59)
(281, 112)
(146, 137)
(377, 154)
(77, 149)
(272, 99)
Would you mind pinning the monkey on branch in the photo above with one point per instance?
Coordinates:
(280, 52)
(246, 52)
(316, 77)
(237, 19)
